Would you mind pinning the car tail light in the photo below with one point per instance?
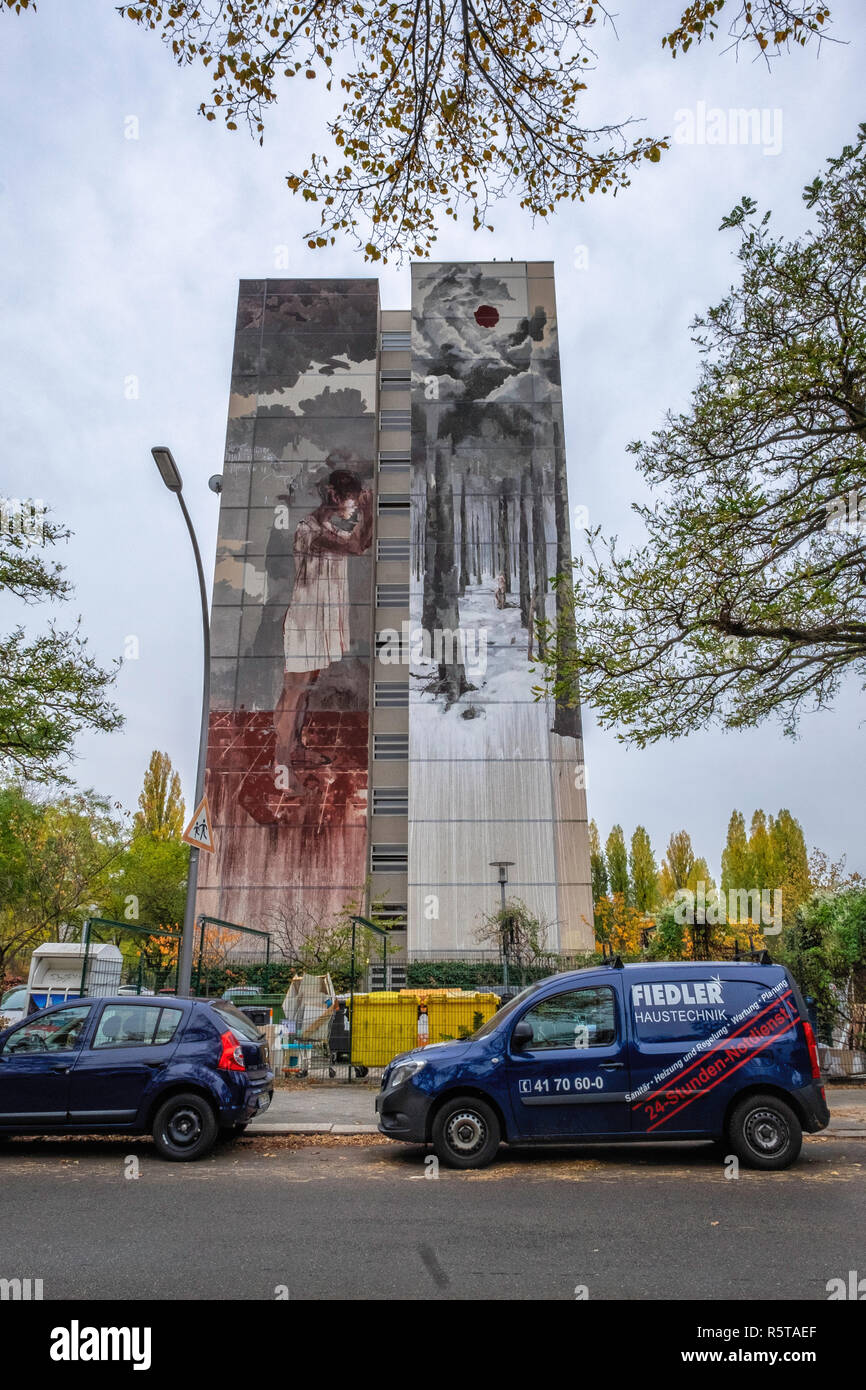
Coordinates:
(813, 1049)
(232, 1056)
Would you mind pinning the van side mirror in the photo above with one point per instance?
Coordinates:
(522, 1034)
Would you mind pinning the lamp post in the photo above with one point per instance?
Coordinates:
(170, 475)
(503, 865)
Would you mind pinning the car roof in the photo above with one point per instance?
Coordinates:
(640, 966)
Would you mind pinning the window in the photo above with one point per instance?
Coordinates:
(390, 801)
(395, 419)
(391, 502)
(393, 916)
(390, 748)
(169, 1020)
(394, 461)
(136, 1025)
(396, 339)
(578, 1018)
(230, 1017)
(60, 1032)
(392, 595)
(389, 859)
(392, 548)
(392, 376)
(390, 695)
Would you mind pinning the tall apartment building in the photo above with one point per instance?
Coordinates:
(394, 502)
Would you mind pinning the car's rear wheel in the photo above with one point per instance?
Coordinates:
(466, 1133)
(765, 1133)
(185, 1127)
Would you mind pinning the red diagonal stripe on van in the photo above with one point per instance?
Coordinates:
(705, 1090)
(724, 1042)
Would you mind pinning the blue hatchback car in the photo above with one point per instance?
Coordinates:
(653, 1051)
(184, 1070)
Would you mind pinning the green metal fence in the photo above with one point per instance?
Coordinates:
(148, 958)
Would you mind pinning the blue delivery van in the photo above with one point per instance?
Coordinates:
(715, 1050)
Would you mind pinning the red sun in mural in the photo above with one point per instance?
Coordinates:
(486, 316)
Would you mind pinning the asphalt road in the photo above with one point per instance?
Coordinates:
(310, 1219)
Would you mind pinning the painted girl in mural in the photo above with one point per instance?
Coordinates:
(316, 625)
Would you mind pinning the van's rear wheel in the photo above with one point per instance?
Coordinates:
(765, 1133)
(185, 1128)
(466, 1133)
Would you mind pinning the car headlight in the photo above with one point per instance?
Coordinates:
(404, 1070)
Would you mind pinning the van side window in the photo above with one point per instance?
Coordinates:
(578, 1018)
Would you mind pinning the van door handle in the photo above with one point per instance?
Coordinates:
(612, 1066)
(61, 1066)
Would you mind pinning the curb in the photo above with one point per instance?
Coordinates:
(276, 1128)
(281, 1129)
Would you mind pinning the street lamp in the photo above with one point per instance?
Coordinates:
(170, 474)
(503, 865)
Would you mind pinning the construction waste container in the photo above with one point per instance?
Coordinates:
(392, 1021)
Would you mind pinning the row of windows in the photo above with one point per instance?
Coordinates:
(390, 748)
(396, 339)
(390, 801)
(392, 595)
(389, 859)
(392, 548)
(121, 1025)
(393, 503)
(390, 695)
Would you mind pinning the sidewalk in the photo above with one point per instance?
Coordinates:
(341, 1108)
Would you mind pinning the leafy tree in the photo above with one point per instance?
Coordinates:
(747, 600)
(160, 805)
(518, 933)
(761, 857)
(829, 876)
(51, 687)
(621, 926)
(147, 884)
(440, 106)
(617, 863)
(54, 858)
(644, 871)
(678, 864)
(790, 863)
(825, 949)
(598, 867)
(736, 859)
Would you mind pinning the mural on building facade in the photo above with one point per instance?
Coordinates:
(292, 616)
(490, 525)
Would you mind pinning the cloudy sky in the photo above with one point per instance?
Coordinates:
(121, 258)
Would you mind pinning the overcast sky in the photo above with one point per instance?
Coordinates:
(120, 266)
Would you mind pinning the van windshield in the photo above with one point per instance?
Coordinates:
(506, 1009)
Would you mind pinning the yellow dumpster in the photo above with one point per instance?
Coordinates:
(389, 1022)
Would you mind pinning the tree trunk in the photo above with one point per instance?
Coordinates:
(523, 557)
(567, 716)
(464, 542)
(442, 614)
(503, 539)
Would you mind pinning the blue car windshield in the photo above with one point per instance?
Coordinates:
(496, 1019)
